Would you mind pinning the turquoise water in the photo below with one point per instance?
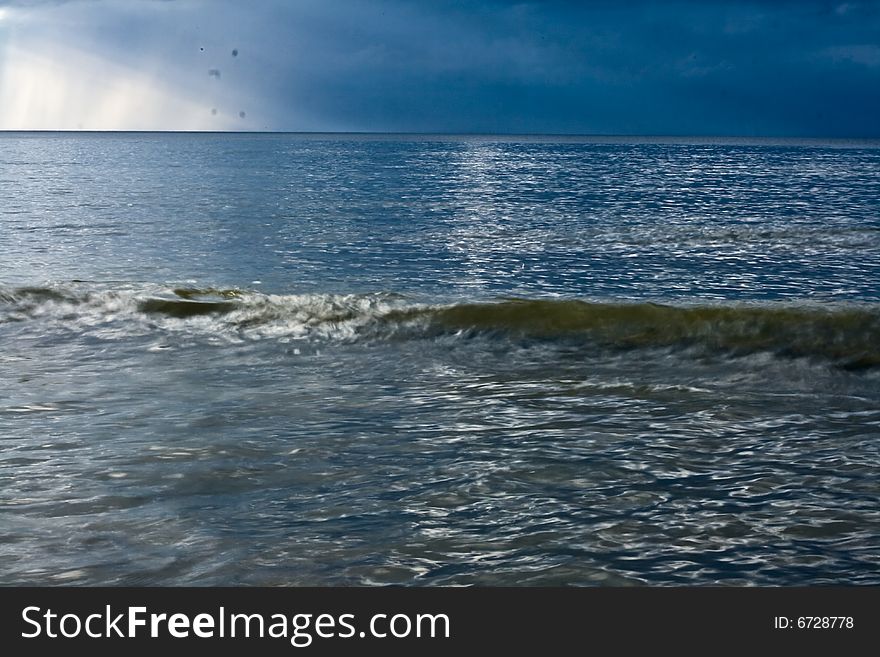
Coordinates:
(376, 359)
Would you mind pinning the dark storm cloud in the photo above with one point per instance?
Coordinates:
(804, 67)
(684, 67)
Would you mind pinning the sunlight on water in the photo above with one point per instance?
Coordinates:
(276, 359)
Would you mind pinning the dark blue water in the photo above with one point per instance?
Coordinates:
(318, 359)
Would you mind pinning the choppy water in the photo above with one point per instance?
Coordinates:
(305, 359)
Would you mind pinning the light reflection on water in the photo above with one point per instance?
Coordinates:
(509, 467)
(292, 446)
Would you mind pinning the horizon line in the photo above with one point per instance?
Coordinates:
(407, 133)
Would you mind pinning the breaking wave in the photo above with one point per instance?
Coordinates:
(847, 335)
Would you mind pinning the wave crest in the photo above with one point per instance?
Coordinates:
(849, 336)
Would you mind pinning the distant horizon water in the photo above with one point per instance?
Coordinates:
(586, 137)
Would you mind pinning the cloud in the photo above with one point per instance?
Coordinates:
(119, 65)
(722, 67)
(863, 54)
(748, 67)
(73, 90)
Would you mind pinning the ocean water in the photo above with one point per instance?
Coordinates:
(248, 359)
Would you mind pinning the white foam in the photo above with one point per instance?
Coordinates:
(112, 314)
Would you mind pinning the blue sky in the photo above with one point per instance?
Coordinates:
(751, 68)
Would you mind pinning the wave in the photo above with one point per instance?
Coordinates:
(846, 335)
(222, 313)
(850, 336)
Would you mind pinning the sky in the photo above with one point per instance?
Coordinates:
(785, 68)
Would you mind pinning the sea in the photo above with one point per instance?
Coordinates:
(438, 360)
